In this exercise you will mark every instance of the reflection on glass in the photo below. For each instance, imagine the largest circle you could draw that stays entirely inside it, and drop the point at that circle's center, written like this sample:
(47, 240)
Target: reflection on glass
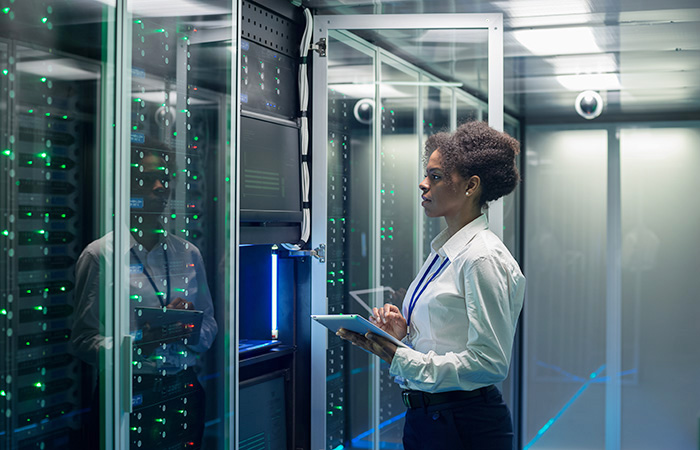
(49, 127)
(176, 253)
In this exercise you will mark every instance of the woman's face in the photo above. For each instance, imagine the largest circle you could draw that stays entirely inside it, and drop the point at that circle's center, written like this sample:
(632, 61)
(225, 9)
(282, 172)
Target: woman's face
(441, 198)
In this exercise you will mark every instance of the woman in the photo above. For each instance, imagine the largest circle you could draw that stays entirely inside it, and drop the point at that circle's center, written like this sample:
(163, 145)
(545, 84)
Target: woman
(460, 313)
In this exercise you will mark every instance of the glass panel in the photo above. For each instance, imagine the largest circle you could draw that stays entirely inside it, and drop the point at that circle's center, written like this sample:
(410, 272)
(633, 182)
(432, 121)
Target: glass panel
(565, 263)
(659, 287)
(351, 103)
(399, 160)
(51, 126)
(178, 245)
(467, 110)
(437, 107)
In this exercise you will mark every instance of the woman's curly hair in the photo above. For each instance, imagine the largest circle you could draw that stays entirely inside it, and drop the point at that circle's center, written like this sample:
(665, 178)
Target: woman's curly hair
(477, 149)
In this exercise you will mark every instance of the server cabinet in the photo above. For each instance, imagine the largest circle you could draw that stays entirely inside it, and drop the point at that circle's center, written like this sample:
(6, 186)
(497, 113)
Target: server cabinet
(367, 162)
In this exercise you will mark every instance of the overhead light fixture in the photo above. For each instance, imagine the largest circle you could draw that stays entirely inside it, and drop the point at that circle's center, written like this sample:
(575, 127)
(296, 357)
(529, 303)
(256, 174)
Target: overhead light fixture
(589, 104)
(558, 41)
(590, 81)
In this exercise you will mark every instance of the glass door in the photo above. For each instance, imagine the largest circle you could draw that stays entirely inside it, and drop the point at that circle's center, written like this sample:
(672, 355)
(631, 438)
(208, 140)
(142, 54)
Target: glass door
(368, 163)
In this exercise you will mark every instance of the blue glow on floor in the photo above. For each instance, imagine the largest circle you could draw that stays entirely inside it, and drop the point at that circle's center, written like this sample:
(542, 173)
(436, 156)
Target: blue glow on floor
(357, 441)
(551, 421)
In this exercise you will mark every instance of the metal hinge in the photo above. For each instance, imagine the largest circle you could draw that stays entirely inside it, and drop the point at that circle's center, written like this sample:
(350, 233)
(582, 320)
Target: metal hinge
(319, 47)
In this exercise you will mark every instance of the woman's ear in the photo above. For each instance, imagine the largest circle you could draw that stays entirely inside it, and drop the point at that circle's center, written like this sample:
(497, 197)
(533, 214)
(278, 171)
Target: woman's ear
(473, 185)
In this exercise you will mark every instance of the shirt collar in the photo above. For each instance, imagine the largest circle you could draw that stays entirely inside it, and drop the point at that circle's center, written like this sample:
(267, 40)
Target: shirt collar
(450, 246)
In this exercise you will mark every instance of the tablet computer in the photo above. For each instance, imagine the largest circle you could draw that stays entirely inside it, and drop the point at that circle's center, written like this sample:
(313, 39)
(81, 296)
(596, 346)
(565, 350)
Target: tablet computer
(353, 322)
(154, 324)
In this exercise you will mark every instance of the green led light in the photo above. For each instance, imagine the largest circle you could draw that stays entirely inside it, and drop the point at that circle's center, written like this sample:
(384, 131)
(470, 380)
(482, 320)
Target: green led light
(5, 232)
(382, 191)
(44, 19)
(135, 127)
(41, 231)
(30, 111)
(138, 100)
(179, 290)
(3, 394)
(29, 214)
(134, 428)
(134, 297)
(48, 114)
(63, 166)
(160, 420)
(137, 21)
(134, 165)
(159, 231)
(65, 117)
(134, 230)
(181, 411)
(338, 407)
(42, 155)
(43, 79)
(196, 138)
(391, 192)
(3, 312)
(382, 236)
(7, 152)
(38, 384)
(195, 217)
(159, 30)
(30, 162)
(38, 308)
(160, 293)
(382, 228)
(174, 133)
(227, 179)
(63, 216)
(134, 363)
(5, 72)
(173, 216)
(6, 10)
(194, 177)
(183, 110)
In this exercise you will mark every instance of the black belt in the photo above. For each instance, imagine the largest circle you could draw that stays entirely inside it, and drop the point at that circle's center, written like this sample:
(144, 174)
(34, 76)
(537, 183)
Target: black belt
(420, 399)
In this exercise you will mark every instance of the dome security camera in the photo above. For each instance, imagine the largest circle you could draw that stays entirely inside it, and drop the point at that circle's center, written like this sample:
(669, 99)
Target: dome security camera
(364, 110)
(589, 104)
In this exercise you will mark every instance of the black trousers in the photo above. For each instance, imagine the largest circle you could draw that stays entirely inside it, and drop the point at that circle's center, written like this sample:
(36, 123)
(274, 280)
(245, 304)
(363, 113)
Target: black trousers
(479, 423)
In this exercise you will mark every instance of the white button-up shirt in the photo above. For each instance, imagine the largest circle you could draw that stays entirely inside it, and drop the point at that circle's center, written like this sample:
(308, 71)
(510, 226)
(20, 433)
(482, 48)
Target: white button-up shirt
(463, 323)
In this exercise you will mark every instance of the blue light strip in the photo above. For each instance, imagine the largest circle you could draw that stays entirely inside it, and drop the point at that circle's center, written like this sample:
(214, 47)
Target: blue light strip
(551, 421)
(274, 294)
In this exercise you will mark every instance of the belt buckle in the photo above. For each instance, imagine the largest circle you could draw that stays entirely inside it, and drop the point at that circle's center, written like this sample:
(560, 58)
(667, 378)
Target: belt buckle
(406, 397)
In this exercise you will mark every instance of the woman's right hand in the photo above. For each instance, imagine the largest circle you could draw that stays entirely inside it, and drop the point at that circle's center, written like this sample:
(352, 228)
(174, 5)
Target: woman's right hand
(389, 319)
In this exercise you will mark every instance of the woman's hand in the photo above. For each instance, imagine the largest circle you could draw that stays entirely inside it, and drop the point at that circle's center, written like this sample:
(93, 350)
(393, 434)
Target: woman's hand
(371, 342)
(389, 319)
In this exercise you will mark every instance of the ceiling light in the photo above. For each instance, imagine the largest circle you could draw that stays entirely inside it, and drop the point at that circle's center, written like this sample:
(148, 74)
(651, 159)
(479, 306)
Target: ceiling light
(558, 41)
(592, 81)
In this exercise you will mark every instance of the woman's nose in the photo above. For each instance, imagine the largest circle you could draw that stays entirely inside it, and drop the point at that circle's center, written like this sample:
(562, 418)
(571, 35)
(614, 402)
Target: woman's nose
(423, 185)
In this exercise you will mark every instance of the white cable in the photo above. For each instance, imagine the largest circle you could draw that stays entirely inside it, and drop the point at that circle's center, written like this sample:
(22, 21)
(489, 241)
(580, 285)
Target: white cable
(303, 105)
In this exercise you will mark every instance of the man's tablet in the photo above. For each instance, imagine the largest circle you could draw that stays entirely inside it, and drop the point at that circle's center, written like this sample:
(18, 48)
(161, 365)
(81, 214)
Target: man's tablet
(353, 322)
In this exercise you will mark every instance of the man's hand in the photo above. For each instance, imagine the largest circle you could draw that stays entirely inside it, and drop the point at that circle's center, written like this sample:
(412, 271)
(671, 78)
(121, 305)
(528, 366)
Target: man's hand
(371, 342)
(181, 303)
(389, 319)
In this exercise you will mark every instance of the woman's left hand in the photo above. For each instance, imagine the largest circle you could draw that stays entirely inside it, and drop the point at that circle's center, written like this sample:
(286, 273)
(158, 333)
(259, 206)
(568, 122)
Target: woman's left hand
(371, 342)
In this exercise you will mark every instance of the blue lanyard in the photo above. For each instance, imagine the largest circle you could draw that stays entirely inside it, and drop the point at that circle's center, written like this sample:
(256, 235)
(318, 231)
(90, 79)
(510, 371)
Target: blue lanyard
(159, 294)
(418, 291)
